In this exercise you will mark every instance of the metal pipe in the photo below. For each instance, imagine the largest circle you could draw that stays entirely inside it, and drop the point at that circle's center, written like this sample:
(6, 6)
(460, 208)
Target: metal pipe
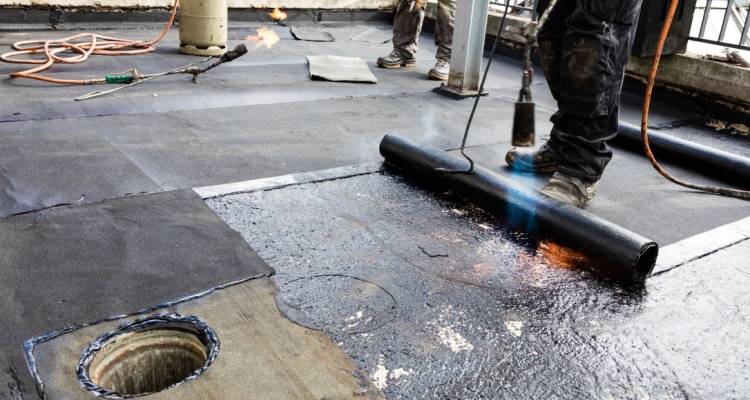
(719, 163)
(614, 252)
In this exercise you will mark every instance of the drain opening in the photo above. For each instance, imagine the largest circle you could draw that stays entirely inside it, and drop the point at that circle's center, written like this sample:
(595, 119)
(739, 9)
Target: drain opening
(147, 356)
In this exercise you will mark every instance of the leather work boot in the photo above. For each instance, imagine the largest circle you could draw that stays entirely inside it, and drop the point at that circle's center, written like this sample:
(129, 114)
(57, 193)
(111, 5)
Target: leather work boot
(396, 60)
(531, 160)
(440, 71)
(570, 190)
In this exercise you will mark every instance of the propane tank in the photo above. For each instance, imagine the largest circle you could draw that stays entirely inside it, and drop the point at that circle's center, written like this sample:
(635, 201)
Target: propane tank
(203, 27)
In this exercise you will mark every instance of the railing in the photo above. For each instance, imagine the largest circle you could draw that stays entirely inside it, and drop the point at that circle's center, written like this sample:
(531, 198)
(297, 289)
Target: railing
(725, 23)
(517, 7)
(720, 22)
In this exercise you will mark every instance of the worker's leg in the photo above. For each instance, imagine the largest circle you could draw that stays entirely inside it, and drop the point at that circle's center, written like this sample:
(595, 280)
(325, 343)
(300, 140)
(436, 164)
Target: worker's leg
(550, 39)
(407, 26)
(594, 51)
(446, 15)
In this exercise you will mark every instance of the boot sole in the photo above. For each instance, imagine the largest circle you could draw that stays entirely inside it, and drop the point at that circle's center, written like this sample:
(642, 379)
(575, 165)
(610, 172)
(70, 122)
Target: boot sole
(436, 77)
(397, 66)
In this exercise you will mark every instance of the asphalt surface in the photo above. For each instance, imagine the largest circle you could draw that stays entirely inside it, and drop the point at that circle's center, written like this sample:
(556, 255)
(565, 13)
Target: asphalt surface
(437, 299)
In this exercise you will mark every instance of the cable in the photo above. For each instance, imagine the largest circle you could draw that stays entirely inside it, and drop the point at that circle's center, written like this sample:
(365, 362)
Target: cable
(84, 44)
(729, 192)
(531, 36)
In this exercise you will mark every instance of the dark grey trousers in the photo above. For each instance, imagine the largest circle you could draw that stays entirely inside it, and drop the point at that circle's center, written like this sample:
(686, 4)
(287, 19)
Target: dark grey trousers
(407, 25)
(584, 47)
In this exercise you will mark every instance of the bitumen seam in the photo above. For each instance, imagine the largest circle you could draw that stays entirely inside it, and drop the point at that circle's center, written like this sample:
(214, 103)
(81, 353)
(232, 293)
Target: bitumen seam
(63, 205)
(698, 257)
(263, 184)
(702, 245)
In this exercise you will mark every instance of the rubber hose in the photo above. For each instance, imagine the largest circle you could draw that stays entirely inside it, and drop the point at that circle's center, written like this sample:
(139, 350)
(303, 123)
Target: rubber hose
(729, 192)
(95, 44)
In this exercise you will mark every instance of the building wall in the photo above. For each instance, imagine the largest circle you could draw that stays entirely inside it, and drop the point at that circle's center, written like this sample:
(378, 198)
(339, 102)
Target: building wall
(326, 4)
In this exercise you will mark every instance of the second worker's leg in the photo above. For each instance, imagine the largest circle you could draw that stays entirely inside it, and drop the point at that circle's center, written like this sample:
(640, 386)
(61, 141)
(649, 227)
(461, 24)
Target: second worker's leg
(407, 25)
(446, 15)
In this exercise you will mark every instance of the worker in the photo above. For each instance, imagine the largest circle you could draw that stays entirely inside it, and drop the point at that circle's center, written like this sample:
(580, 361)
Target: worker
(584, 47)
(407, 25)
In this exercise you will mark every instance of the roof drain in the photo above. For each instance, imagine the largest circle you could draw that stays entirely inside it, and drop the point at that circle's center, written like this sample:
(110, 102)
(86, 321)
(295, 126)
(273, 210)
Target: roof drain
(147, 356)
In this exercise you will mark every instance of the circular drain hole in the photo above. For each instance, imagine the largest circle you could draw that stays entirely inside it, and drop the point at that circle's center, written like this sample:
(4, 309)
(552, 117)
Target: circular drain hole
(147, 356)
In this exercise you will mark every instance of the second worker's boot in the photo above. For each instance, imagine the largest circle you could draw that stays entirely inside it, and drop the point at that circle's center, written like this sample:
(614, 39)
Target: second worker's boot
(440, 71)
(396, 60)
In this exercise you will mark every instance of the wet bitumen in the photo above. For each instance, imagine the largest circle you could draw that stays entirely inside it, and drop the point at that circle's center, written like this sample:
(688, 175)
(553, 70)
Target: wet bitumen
(480, 311)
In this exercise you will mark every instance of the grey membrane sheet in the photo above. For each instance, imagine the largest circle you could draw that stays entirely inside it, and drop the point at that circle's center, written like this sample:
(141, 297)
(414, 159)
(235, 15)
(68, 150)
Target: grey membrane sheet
(311, 34)
(340, 69)
(72, 265)
(375, 34)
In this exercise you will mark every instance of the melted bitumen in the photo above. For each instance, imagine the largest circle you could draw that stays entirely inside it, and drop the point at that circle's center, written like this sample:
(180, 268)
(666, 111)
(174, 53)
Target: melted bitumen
(480, 311)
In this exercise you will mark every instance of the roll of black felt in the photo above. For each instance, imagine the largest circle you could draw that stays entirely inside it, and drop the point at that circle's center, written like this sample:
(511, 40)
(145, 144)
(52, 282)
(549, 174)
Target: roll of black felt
(702, 159)
(612, 251)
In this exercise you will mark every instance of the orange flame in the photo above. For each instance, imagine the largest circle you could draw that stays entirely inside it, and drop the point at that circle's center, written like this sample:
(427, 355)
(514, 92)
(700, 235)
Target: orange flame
(278, 14)
(561, 256)
(264, 37)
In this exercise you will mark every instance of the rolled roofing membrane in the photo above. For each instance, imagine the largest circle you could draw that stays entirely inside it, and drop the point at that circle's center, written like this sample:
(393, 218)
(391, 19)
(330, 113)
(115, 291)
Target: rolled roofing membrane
(696, 156)
(612, 251)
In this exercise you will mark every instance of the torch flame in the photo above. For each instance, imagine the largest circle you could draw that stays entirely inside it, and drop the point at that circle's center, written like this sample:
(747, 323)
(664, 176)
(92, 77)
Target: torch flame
(561, 256)
(264, 37)
(278, 14)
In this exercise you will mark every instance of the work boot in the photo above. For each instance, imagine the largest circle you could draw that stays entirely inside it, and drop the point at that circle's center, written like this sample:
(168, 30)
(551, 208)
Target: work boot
(440, 71)
(570, 190)
(396, 60)
(531, 160)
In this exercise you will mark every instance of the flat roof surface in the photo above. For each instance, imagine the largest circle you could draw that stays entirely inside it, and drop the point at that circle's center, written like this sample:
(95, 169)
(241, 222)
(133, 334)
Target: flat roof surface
(69, 167)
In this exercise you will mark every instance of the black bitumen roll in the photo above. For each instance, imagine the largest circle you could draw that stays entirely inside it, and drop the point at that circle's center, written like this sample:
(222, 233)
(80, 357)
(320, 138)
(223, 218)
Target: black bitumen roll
(612, 251)
(702, 159)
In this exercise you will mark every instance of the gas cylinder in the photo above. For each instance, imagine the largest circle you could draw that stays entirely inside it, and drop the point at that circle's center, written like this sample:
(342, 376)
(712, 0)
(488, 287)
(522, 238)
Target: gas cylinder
(203, 27)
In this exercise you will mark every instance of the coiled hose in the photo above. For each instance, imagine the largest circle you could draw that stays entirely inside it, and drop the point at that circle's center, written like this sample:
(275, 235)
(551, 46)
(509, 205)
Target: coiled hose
(729, 192)
(83, 45)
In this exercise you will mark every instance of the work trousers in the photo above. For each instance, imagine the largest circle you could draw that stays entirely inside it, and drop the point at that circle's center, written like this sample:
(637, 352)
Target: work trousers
(407, 25)
(584, 47)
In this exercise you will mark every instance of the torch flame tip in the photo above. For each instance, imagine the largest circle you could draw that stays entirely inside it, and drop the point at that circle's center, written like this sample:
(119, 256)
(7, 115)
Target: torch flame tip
(278, 14)
(264, 37)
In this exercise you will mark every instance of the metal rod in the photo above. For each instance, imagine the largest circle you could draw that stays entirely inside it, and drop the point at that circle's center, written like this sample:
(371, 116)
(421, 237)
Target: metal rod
(725, 44)
(725, 21)
(477, 98)
(745, 28)
(704, 21)
(99, 93)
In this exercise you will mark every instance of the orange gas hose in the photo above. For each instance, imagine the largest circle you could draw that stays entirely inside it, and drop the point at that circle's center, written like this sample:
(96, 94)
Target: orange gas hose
(83, 45)
(736, 193)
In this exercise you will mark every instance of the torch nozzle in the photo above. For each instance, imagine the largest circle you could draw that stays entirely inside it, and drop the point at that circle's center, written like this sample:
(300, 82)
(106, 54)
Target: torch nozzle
(233, 54)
